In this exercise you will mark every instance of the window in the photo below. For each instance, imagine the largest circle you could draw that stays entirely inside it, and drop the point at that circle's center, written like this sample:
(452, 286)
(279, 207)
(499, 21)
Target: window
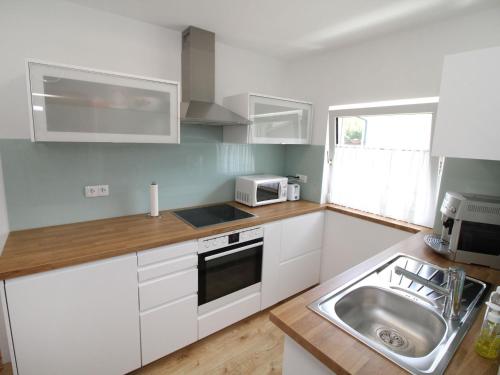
(381, 159)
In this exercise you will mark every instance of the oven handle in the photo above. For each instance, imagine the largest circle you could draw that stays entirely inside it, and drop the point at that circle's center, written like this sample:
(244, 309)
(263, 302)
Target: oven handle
(215, 256)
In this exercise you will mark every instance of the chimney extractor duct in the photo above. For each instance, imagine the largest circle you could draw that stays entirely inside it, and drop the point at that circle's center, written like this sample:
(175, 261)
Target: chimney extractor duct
(198, 82)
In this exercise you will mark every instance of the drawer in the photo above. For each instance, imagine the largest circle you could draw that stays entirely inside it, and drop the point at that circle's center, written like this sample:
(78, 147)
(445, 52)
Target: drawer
(298, 274)
(227, 315)
(161, 254)
(168, 288)
(301, 235)
(168, 328)
(170, 266)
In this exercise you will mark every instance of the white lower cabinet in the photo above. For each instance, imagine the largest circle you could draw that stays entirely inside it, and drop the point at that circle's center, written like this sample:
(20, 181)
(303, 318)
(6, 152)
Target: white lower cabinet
(168, 328)
(298, 361)
(77, 320)
(225, 316)
(168, 299)
(112, 316)
(292, 256)
(167, 288)
(270, 263)
(298, 274)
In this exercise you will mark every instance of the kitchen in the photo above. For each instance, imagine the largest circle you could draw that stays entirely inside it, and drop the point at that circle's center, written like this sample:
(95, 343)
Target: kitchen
(44, 181)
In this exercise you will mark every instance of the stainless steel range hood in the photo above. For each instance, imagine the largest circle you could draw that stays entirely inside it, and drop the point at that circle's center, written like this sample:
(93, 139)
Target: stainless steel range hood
(198, 82)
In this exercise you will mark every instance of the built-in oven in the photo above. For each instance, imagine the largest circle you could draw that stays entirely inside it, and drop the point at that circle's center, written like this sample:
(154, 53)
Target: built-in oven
(229, 265)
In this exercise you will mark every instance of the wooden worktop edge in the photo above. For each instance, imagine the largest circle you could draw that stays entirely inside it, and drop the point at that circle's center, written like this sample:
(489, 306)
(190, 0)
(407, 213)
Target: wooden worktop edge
(21, 257)
(13, 264)
(388, 222)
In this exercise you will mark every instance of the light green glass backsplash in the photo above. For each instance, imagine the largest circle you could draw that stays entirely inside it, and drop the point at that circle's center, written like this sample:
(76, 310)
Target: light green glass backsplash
(307, 160)
(44, 181)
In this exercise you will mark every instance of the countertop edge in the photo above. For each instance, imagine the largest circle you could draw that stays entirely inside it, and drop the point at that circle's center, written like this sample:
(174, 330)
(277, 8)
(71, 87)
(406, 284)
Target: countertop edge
(14, 263)
(35, 263)
(382, 220)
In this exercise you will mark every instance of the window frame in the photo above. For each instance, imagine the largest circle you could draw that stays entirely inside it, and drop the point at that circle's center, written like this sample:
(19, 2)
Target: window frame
(392, 107)
(389, 107)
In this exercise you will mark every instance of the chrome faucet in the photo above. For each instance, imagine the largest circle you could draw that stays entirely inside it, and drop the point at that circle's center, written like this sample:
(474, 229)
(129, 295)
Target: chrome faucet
(453, 292)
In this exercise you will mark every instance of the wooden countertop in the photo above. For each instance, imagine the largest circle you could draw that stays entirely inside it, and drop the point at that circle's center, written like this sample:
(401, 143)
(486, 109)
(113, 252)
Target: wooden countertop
(42, 249)
(342, 353)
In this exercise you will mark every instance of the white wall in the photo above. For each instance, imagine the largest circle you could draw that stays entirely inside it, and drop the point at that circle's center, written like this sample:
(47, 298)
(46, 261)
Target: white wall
(66, 33)
(401, 65)
(4, 232)
(348, 241)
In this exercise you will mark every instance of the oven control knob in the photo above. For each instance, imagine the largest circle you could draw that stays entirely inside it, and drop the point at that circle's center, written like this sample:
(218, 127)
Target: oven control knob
(206, 244)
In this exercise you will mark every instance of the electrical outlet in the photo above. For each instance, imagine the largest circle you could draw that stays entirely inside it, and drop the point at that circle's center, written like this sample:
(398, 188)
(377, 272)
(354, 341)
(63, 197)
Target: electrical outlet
(302, 178)
(103, 190)
(91, 191)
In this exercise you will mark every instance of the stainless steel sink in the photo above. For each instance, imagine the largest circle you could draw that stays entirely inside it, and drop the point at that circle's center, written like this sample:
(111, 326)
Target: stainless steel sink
(401, 319)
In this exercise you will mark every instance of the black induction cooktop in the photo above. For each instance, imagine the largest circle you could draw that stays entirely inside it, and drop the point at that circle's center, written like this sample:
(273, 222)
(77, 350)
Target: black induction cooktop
(211, 215)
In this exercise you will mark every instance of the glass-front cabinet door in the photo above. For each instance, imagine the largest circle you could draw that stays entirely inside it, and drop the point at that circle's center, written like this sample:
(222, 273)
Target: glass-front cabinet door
(276, 120)
(70, 104)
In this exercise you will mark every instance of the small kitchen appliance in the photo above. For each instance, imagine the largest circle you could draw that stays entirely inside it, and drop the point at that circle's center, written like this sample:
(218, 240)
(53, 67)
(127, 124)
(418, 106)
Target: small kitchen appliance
(470, 231)
(258, 190)
(293, 192)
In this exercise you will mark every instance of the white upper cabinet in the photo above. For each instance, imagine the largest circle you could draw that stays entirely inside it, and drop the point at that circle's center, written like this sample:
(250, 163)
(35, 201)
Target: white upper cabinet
(70, 104)
(467, 117)
(274, 120)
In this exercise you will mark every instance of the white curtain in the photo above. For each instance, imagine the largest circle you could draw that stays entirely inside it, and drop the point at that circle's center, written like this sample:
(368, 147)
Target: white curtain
(392, 183)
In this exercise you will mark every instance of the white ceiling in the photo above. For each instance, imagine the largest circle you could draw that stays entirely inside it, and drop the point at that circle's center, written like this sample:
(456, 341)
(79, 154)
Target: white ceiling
(290, 28)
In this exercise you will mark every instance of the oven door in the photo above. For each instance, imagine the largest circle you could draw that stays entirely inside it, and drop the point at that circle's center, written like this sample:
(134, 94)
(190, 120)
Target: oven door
(225, 271)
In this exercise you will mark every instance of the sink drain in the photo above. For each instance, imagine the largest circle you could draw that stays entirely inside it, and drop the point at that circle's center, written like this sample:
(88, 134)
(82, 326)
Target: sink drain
(391, 337)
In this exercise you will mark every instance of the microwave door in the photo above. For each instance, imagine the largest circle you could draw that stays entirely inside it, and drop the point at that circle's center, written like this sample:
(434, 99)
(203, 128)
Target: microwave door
(268, 191)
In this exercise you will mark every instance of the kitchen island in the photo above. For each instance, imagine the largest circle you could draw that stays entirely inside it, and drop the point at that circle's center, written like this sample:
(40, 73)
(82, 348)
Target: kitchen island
(330, 349)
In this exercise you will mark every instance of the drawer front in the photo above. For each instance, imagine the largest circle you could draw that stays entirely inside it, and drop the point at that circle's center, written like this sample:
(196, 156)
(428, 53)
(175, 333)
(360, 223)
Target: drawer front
(227, 315)
(161, 254)
(301, 235)
(298, 274)
(168, 328)
(156, 292)
(165, 268)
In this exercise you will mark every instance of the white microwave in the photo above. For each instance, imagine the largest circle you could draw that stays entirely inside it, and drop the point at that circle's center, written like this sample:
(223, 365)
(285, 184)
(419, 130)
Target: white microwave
(258, 190)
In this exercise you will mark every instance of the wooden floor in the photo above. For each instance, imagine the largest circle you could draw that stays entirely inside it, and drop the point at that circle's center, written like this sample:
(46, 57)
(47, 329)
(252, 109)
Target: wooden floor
(252, 346)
